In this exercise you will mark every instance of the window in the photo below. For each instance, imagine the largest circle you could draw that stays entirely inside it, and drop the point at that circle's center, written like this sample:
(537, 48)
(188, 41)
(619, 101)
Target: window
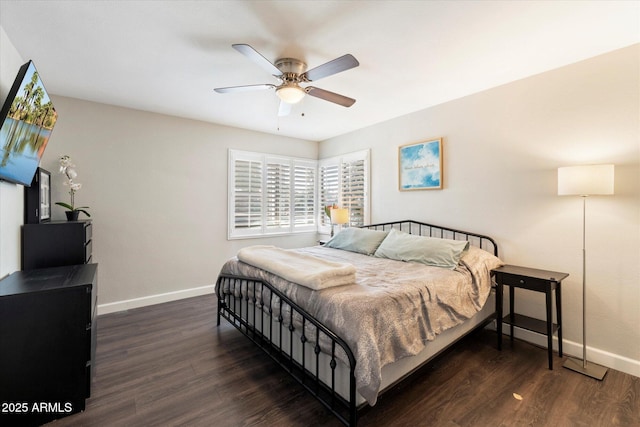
(344, 180)
(329, 190)
(270, 194)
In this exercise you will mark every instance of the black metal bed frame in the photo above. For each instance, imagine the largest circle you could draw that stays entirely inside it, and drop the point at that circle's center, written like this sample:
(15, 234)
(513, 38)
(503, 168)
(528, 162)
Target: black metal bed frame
(272, 321)
(430, 230)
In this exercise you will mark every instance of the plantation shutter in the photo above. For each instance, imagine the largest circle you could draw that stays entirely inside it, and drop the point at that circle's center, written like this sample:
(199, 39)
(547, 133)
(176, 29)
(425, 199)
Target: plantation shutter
(343, 180)
(278, 195)
(354, 190)
(329, 189)
(304, 195)
(270, 194)
(248, 194)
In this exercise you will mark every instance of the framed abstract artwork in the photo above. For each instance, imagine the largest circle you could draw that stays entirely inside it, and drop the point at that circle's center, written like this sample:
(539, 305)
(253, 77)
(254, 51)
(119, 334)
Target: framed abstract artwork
(420, 165)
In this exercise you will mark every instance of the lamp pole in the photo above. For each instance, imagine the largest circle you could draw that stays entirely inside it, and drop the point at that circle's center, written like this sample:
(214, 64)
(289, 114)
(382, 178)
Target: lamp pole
(594, 371)
(583, 181)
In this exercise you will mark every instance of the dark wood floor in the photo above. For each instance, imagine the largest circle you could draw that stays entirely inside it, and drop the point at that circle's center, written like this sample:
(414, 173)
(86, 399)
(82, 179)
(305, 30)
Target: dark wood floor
(169, 365)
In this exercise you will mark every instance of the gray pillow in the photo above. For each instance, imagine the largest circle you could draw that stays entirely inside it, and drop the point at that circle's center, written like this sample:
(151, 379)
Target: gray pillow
(360, 240)
(402, 246)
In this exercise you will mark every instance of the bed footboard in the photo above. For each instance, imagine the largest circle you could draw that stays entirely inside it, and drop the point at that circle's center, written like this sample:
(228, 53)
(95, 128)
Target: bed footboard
(293, 338)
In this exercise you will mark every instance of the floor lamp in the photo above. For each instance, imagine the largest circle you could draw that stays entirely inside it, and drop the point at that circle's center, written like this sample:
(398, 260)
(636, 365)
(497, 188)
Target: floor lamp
(591, 180)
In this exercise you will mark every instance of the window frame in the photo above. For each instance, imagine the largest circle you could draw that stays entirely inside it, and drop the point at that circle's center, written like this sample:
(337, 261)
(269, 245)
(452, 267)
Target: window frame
(266, 227)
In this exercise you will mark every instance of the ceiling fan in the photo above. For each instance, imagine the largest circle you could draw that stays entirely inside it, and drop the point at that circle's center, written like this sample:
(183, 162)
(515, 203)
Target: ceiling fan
(291, 73)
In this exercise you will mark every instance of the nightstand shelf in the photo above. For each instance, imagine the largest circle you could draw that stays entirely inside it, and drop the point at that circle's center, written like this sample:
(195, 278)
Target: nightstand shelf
(529, 323)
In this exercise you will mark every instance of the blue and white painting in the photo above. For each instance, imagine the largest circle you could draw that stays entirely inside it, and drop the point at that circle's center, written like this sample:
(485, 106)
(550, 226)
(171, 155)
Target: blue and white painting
(421, 165)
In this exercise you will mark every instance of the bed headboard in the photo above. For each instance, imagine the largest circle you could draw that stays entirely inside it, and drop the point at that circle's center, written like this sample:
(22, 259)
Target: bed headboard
(430, 230)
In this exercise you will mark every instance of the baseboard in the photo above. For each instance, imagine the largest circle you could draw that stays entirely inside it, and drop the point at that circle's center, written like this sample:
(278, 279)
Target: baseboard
(113, 307)
(570, 348)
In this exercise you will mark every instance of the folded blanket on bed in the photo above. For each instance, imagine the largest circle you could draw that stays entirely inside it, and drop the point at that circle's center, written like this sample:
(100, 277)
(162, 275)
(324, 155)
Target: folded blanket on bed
(306, 270)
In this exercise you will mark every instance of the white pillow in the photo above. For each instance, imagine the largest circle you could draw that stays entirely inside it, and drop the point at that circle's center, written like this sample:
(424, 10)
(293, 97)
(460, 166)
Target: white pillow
(402, 246)
(360, 240)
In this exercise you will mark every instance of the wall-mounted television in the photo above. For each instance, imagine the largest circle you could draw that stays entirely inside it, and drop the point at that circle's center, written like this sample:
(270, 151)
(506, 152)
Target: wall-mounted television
(27, 119)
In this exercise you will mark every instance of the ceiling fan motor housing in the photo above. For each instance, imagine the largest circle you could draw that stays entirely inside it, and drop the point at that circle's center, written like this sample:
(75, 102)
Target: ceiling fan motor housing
(291, 66)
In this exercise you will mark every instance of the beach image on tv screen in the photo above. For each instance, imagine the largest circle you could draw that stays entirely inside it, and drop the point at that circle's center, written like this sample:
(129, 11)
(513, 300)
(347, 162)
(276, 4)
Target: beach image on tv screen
(25, 132)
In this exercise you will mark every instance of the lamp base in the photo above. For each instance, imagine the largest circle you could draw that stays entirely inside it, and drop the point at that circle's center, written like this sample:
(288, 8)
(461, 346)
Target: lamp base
(594, 371)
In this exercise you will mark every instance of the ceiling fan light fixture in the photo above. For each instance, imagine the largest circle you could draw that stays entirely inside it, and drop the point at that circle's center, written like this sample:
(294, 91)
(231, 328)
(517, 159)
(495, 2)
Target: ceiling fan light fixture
(290, 93)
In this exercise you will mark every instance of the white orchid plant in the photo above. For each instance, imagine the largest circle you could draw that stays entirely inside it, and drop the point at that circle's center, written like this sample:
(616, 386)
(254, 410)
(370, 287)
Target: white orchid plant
(68, 169)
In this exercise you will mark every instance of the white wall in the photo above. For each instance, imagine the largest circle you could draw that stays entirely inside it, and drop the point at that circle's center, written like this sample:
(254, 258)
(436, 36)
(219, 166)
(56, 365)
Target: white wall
(157, 189)
(11, 195)
(502, 148)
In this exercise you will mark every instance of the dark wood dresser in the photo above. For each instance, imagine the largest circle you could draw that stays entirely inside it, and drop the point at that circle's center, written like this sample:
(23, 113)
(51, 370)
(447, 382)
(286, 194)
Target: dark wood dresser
(56, 243)
(48, 343)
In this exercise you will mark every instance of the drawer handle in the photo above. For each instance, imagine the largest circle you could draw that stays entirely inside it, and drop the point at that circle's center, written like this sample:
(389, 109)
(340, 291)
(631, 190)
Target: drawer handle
(521, 281)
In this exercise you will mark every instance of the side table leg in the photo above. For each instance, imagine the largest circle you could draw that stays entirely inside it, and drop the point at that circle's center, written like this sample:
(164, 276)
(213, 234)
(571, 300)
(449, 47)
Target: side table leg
(499, 293)
(549, 329)
(512, 293)
(559, 317)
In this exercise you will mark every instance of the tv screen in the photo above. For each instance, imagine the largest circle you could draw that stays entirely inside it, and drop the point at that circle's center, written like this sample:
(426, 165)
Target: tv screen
(27, 118)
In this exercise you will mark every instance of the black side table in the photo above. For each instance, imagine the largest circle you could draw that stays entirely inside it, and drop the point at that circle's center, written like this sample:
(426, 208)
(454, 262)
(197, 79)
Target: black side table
(534, 280)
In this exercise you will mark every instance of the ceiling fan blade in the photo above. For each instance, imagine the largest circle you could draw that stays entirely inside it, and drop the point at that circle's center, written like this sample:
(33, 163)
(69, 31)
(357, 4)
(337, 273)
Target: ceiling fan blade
(345, 62)
(248, 88)
(330, 96)
(284, 109)
(256, 57)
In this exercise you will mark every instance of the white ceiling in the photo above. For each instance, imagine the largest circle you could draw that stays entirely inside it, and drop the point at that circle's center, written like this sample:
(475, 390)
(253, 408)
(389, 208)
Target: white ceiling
(167, 56)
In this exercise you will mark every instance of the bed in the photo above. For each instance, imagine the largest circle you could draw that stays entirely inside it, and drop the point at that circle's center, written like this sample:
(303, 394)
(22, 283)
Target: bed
(350, 319)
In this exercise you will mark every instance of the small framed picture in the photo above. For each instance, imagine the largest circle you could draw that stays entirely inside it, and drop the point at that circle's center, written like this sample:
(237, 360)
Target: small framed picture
(45, 195)
(37, 198)
(420, 165)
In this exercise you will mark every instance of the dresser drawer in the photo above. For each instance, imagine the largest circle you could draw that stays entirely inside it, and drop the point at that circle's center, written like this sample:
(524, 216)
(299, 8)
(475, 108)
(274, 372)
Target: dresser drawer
(88, 231)
(56, 243)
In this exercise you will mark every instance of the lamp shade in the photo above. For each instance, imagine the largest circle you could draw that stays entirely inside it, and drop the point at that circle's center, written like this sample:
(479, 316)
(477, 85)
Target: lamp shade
(290, 93)
(588, 180)
(339, 216)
